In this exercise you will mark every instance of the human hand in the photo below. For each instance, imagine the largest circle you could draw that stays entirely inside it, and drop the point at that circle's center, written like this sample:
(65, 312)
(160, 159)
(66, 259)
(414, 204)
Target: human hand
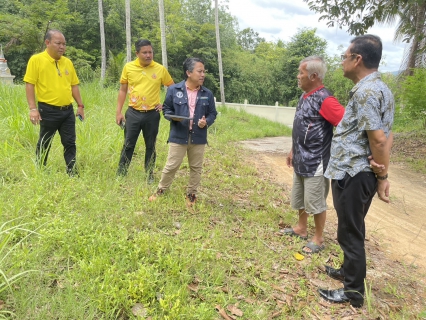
(377, 168)
(119, 119)
(80, 112)
(202, 122)
(383, 190)
(35, 117)
(159, 107)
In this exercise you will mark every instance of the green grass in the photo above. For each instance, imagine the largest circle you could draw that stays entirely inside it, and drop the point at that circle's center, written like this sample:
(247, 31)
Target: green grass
(102, 248)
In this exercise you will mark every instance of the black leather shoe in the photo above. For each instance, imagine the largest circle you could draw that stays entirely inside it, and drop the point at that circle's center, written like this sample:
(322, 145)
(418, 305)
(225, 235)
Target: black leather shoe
(336, 274)
(339, 296)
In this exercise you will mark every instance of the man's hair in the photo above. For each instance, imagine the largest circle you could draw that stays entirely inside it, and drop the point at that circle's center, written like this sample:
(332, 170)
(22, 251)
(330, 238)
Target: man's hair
(50, 33)
(142, 43)
(189, 65)
(370, 48)
(315, 64)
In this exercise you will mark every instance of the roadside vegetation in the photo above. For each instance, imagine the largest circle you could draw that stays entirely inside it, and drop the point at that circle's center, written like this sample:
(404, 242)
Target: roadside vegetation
(94, 247)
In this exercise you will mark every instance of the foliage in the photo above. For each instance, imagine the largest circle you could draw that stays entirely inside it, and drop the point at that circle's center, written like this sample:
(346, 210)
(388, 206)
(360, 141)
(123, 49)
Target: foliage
(413, 98)
(360, 15)
(357, 15)
(249, 39)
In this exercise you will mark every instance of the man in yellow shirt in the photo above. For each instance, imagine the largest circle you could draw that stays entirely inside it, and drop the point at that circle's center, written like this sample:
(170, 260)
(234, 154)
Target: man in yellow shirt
(52, 78)
(142, 80)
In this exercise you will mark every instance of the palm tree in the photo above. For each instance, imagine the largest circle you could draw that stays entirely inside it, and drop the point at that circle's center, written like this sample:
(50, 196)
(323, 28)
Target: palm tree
(411, 28)
(102, 32)
(219, 54)
(163, 33)
(128, 34)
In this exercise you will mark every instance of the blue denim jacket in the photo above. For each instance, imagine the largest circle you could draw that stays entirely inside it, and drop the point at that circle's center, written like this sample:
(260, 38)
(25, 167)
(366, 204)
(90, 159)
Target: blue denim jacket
(176, 103)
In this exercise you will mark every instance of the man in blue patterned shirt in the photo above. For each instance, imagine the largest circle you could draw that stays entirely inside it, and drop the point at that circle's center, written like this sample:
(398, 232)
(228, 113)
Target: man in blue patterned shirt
(364, 130)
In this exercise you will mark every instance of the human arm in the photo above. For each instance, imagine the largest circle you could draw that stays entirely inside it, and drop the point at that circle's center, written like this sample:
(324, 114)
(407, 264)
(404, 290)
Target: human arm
(122, 93)
(380, 147)
(159, 106)
(168, 108)
(77, 97)
(30, 93)
(332, 111)
(376, 167)
(211, 112)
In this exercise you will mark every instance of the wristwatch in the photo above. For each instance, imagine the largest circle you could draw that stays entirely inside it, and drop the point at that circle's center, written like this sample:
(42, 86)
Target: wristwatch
(382, 177)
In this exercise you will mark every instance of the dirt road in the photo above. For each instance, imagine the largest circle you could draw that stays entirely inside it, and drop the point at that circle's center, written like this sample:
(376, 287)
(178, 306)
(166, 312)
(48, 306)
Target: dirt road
(398, 227)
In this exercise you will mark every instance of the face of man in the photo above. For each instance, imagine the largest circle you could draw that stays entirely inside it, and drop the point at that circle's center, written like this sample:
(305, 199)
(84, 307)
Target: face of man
(145, 55)
(303, 80)
(56, 45)
(196, 77)
(348, 62)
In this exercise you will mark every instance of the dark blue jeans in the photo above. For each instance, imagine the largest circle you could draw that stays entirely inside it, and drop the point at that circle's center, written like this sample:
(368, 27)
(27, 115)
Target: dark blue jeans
(352, 198)
(148, 123)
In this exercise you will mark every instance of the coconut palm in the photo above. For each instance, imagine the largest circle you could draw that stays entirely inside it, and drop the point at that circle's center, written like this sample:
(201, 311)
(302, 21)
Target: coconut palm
(163, 33)
(128, 34)
(219, 54)
(102, 32)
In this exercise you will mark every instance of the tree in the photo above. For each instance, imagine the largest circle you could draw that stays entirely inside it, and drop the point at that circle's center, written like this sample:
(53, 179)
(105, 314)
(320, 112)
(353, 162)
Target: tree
(303, 44)
(163, 33)
(128, 33)
(411, 28)
(359, 15)
(102, 33)
(219, 55)
(248, 39)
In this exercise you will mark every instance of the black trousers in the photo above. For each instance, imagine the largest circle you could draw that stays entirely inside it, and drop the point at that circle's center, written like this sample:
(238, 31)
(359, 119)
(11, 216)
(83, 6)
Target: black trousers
(61, 119)
(148, 123)
(352, 198)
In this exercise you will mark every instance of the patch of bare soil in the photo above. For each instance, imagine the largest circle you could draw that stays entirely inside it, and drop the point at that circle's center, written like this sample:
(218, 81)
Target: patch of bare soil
(396, 232)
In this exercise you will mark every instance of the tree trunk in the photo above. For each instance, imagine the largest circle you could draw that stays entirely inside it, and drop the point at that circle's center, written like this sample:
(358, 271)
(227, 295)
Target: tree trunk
(128, 33)
(219, 54)
(102, 32)
(163, 33)
(417, 46)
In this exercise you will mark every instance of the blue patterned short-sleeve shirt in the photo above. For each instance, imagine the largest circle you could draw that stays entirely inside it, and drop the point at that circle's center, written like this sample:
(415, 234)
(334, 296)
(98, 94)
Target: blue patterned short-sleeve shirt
(371, 107)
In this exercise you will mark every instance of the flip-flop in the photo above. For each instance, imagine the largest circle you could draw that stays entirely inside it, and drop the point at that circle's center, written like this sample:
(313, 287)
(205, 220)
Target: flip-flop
(313, 246)
(290, 232)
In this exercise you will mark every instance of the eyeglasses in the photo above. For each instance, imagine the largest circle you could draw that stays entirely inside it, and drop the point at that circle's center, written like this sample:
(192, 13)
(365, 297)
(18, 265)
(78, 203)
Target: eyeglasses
(344, 56)
(57, 68)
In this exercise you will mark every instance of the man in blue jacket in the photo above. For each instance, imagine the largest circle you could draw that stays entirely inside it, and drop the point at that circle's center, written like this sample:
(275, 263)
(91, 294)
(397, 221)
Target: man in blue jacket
(191, 109)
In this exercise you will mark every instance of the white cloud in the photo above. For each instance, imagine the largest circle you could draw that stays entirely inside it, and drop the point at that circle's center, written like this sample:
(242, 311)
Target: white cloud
(281, 19)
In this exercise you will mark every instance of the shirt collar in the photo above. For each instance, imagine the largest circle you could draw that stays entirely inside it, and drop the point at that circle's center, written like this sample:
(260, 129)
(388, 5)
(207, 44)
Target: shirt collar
(313, 91)
(371, 77)
(136, 62)
(49, 57)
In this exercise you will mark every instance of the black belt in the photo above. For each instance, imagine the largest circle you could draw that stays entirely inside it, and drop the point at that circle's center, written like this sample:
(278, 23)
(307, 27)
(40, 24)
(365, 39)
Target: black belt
(43, 104)
(143, 111)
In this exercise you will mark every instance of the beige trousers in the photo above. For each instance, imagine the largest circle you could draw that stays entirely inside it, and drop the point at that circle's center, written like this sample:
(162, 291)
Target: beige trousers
(195, 153)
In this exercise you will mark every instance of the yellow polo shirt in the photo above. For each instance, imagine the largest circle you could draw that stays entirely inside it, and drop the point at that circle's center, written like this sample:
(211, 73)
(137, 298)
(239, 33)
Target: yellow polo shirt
(144, 83)
(51, 86)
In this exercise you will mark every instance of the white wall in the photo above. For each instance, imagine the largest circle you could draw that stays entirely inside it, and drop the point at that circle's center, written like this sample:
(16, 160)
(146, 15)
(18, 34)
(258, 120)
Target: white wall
(284, 115)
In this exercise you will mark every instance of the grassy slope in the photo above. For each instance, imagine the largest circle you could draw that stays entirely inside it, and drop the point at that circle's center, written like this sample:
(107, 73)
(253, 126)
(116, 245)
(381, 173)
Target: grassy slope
(101, 247)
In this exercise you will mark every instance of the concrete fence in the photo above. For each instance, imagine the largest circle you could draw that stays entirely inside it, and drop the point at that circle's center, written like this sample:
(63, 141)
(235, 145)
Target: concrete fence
(284, 115)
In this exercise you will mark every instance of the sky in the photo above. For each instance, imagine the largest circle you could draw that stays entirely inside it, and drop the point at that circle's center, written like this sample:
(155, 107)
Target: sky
(281, 19)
